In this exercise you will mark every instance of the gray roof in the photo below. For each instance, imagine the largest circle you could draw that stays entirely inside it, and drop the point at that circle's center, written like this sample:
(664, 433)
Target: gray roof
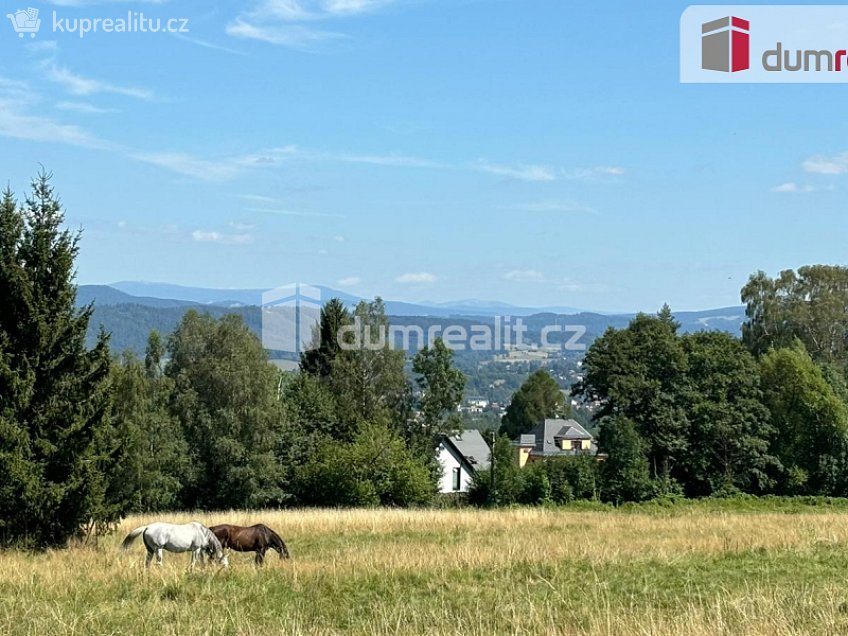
(543, 437)
(471, 446)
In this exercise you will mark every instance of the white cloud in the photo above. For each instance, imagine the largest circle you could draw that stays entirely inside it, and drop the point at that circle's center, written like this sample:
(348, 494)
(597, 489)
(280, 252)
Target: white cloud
(520, 172)
(293, 36)
(206, 44)
(41, 46)
(190, 166)
(215, 169)
(205, 236)
(552, 206)
(281, 21)
(16, 91)
(524, 276)
(794, 188)
(416, 278)
(398, 161)
(84, 108)
(258, 198)
(350, 281)
(571, 286)
(352, 7)
(295, 213)
(562, 284)
(821, 164)
(20, 125)
(786, 187)
(79, 85)
(241, 227)
(86, 3)
(595, 173)
(309, 10)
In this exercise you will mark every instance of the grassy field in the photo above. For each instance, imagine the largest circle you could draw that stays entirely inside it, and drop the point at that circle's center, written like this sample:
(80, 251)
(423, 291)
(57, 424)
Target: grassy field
(700, 569)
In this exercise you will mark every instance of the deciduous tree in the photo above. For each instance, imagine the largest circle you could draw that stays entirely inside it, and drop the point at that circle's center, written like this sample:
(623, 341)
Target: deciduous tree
(538, 398)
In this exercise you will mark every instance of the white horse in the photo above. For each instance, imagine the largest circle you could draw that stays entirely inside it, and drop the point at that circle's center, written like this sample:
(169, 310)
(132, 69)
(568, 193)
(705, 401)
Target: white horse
(194, 537)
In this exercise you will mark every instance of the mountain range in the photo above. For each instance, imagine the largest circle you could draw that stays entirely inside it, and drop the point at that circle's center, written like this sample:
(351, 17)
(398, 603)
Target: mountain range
(253, 297)
(129, 310)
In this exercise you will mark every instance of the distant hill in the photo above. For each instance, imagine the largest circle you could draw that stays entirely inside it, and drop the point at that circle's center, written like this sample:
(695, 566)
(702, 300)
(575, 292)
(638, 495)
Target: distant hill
(104, 295)
(130, 318)
(248, 297)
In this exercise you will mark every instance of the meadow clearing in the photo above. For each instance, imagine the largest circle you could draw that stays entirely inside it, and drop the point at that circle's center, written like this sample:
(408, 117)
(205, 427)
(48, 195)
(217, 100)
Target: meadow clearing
(699, 569)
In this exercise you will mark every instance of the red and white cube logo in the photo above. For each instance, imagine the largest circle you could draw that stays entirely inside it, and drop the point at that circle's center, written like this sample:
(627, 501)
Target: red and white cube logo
(725, 45)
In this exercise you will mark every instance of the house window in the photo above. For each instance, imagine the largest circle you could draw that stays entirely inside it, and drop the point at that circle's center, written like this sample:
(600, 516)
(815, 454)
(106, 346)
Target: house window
(456, 474)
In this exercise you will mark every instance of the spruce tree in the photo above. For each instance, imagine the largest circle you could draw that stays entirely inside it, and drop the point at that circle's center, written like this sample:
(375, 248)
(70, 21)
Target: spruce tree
(54, 391)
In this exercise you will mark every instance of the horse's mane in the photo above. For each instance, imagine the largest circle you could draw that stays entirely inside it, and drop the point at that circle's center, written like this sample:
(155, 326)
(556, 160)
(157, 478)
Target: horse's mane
(276, 540)
(209, 536)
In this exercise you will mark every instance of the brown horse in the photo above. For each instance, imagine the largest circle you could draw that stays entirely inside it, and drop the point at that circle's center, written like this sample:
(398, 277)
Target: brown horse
(256, 539)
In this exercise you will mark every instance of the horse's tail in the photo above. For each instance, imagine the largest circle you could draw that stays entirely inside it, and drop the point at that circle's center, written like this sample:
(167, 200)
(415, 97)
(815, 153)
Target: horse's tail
(277, 543)
(132, 536)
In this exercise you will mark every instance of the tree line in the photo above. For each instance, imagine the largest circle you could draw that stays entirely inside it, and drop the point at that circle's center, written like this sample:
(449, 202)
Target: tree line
(204, 421)
(705, 413)
(764, 414)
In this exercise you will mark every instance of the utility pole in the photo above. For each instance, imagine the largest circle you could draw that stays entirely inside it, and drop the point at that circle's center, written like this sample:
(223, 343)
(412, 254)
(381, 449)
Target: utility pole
(492, 472)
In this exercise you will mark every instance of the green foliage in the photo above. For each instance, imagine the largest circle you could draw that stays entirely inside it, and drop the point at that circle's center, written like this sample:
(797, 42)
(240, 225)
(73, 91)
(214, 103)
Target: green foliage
(536, 487)
(442, 387)
(809, 305)
(54, 392)
(729, 429)
(225, 397)
(309, 406)
(508, 482)
(557, 480)
(368, 378)
(571, 478)
(810, 423)
(152, 460)
(538, 398)
(640, 372)
(327, 339)
(624, 474)
(376, 468)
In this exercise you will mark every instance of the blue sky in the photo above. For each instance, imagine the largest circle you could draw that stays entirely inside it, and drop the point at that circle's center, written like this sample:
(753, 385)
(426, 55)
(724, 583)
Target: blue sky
(538, 152)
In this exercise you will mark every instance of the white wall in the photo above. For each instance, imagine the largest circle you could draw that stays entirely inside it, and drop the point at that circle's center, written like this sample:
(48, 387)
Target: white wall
(449, 462)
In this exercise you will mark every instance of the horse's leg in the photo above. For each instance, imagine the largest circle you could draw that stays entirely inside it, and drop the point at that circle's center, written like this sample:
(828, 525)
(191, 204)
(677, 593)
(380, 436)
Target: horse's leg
(260, 556)
(148, 559)
(159, 557)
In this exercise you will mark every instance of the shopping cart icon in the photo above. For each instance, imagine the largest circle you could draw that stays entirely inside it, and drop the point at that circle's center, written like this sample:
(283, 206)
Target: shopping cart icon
(25, 21)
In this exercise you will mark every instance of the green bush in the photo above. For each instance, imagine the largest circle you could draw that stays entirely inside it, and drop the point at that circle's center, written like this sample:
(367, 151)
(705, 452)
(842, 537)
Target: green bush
(376, 468)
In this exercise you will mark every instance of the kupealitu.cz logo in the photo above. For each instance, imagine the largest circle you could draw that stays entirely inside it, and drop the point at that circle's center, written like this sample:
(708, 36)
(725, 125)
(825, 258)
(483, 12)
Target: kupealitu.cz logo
(27, 22)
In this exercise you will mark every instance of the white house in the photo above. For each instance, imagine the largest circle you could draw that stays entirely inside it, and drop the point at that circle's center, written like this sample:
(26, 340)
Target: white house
(461, 455)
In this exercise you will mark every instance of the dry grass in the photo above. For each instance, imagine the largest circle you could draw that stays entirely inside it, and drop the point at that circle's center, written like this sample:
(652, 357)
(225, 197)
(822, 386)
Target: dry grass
(447, 572)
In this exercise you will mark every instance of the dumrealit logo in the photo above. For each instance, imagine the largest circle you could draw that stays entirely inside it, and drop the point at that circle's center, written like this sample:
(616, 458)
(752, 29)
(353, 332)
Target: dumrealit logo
(725, 45)
(770, 44)
(778, 59)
